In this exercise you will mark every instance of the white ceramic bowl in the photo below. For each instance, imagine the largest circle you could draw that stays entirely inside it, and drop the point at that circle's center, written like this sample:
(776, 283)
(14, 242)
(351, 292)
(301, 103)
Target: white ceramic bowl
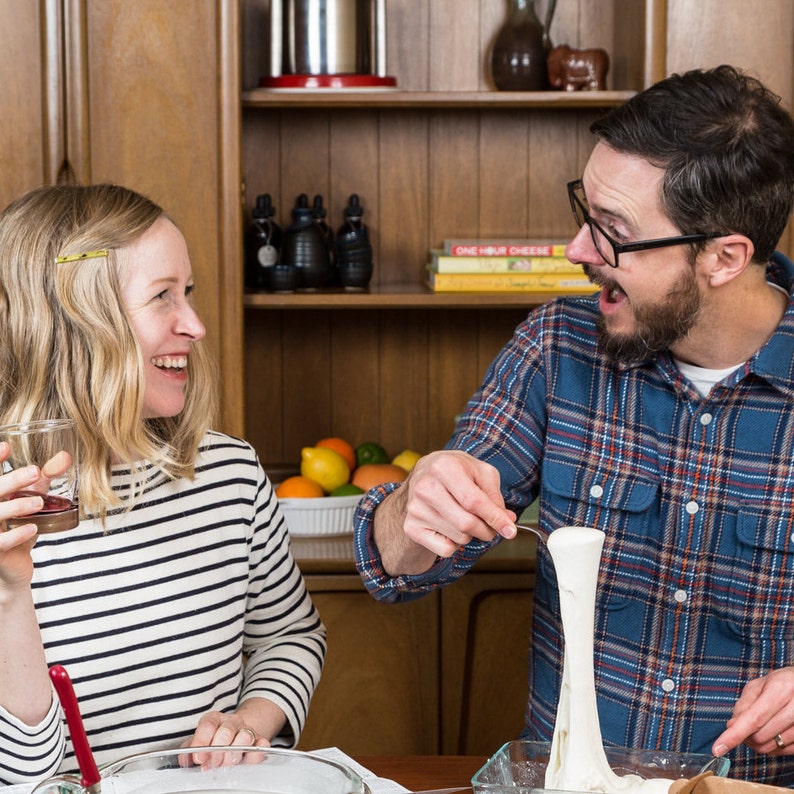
(324, 516)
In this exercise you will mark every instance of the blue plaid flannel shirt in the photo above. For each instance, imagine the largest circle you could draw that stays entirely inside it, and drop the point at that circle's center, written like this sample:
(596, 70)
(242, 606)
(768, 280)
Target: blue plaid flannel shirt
(695, 496)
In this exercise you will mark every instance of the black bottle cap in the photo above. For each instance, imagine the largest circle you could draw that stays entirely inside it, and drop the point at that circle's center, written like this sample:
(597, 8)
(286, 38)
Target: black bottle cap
(302, 212)
(354, 208)
(318, 208)
(263, 208)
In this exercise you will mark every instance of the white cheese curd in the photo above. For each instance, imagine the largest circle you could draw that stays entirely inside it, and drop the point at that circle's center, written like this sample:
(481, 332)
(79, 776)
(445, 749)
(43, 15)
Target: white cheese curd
(578, 761)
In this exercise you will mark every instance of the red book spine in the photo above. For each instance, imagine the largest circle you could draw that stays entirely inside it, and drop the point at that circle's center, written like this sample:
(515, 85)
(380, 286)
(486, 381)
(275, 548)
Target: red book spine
(508, 249)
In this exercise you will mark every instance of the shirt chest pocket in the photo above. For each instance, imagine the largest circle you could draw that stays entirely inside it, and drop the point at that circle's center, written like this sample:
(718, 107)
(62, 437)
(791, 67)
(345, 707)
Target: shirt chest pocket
(586, 495)
(574, 493)
(754, 599)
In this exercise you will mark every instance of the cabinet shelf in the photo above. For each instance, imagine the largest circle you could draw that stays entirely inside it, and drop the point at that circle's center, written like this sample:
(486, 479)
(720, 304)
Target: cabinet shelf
(393, 296)
(441, 155)
(394, 98)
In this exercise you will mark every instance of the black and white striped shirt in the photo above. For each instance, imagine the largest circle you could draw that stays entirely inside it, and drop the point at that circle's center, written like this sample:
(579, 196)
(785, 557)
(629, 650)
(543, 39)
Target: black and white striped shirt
(153, 616)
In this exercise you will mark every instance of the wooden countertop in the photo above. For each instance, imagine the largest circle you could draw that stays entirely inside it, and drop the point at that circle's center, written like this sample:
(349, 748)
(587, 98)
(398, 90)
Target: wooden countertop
(420, 772)
(335, 555)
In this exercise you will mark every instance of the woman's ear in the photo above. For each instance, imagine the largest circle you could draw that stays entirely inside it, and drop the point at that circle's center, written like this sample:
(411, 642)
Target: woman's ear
(727, 257)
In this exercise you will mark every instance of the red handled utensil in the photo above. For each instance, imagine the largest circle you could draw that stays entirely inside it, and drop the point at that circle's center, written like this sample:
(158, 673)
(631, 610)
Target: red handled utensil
(82, 750)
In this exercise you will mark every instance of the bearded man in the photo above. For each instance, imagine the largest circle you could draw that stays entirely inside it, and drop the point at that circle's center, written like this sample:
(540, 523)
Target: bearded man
(661, 411)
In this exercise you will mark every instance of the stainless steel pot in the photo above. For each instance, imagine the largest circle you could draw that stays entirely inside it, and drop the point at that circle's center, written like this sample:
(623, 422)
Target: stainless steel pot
(327, 37)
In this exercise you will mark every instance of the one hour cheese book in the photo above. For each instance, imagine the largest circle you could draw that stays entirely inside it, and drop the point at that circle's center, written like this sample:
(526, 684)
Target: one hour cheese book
(497, 247)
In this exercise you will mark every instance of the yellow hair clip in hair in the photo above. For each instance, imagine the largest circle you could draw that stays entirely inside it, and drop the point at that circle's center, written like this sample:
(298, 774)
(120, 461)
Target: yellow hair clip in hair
(79, 257)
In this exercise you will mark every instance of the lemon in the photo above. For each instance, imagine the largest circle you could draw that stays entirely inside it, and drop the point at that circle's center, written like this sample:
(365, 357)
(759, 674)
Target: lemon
(406, 459)
(370, 452)
(325, 466)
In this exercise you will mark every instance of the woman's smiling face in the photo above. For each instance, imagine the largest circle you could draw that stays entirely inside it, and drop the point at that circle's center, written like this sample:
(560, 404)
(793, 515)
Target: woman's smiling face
(156, 287)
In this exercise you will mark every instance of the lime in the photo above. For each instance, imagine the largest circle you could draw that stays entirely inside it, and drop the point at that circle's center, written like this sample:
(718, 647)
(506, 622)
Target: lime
(325, 466)
(370, 452)
(407, 459)
(348, 489)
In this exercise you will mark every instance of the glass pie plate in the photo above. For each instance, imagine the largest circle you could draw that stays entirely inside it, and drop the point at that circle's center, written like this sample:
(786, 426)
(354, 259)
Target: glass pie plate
(258, 771)
(519, 767)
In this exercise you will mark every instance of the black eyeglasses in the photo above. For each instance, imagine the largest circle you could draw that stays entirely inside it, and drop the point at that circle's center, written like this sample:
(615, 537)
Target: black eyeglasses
(609, 249)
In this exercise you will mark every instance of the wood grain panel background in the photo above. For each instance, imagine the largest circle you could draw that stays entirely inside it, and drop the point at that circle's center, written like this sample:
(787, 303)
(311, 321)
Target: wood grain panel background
(24, 133)
(425, 174)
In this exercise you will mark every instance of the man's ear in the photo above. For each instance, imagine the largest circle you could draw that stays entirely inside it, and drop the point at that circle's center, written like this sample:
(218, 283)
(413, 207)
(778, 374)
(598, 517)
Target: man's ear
(727, 257)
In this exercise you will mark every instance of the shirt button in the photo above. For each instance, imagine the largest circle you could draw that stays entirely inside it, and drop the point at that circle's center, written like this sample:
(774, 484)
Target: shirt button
(705, 419)
(680, 596)
(596, 492)
(692, 507)
(668, 685)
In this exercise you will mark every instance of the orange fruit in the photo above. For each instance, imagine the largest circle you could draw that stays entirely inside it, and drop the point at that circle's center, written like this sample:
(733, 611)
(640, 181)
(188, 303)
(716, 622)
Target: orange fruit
(298, 487)
(340, 446)
(371, 474)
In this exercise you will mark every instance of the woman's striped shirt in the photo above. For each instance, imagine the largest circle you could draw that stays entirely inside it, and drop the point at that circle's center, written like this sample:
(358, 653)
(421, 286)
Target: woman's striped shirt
(154, 615)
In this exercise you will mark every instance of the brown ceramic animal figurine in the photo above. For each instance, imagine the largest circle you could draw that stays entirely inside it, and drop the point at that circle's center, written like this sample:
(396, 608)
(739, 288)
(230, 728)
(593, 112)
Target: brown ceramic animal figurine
(578, 70)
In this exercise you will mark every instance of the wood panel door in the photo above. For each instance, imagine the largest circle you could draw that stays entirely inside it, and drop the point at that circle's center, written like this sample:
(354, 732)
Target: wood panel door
(379, 690)
(144, 94)
(154, 98)
(24, 58)
(485, 641)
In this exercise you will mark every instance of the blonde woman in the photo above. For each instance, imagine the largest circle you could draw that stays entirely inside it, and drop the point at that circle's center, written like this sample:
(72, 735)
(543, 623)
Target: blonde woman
(175, 605)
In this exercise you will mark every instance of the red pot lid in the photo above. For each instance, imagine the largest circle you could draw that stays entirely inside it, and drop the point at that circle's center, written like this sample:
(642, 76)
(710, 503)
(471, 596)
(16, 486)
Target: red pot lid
(328, 81)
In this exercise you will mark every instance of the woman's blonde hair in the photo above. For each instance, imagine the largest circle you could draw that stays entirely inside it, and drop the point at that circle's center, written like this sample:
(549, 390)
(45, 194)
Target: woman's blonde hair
(66, 345)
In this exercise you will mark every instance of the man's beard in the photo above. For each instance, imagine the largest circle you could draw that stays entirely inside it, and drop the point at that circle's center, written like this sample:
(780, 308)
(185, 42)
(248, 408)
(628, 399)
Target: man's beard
(658, 325)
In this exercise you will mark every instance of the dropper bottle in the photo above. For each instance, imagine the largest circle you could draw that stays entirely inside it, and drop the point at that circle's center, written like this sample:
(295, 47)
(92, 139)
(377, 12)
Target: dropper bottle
(304, 246)
(353, 248)
(262, 243)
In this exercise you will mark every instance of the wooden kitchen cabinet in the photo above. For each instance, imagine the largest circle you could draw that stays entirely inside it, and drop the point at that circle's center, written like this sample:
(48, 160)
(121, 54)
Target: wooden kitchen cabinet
(444, 673)
(485, 630)
(442, 156)
(380, 691)
(161, 95)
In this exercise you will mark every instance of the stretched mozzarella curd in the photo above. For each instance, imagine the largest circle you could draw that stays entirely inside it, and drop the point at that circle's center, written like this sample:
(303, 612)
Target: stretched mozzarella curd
(578, 761)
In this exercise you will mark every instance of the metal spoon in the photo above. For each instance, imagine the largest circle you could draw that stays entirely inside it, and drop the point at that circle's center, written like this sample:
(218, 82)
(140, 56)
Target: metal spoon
(539, 533)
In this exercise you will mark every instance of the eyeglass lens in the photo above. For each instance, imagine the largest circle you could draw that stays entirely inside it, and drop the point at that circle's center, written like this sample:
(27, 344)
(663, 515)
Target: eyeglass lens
(601, 242)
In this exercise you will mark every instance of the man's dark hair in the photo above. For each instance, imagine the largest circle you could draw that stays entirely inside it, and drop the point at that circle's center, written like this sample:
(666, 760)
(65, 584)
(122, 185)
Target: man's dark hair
(727, 148)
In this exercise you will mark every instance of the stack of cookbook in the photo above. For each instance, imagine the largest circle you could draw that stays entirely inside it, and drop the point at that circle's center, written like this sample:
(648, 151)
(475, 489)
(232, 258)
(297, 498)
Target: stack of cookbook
(524, 265)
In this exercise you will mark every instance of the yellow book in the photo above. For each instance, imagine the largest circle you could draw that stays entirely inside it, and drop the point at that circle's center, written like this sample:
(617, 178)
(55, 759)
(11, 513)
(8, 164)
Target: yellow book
(510, 282)
(447, 263)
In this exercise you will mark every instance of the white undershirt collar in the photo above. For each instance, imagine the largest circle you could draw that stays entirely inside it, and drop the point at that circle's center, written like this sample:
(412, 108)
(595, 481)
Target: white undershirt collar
(704, 379)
